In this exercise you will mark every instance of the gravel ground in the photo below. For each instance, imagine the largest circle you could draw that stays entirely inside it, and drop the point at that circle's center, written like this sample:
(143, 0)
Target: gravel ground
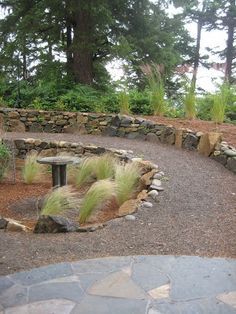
(196, 214)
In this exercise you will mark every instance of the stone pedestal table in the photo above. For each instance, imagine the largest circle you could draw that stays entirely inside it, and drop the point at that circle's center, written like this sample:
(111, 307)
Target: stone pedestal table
(58, 164)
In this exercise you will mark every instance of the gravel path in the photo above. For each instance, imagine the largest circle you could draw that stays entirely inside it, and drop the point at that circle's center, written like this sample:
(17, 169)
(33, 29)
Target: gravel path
(196, 214)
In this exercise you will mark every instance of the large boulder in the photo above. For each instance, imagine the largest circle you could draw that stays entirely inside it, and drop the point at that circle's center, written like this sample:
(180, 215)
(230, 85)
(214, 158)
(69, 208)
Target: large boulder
(54, 224)
(208, 142)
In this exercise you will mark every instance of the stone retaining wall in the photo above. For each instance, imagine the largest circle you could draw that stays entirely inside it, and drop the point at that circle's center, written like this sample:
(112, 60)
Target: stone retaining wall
(208, 144)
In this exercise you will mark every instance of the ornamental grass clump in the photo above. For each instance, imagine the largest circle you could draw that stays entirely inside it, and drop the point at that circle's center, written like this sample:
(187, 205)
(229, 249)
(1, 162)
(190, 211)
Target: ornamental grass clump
(98, 194)
(126, 180)
(59, 201)
(154, 75)
(32, 170)
(220, 100)
(85, 172)
(4, 159)
(124, 103)
(104, 166)
(190, 103)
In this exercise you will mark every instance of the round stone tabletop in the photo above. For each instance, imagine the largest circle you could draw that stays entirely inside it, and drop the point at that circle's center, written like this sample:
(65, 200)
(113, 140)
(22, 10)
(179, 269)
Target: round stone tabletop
(57, 160)
(127, 285)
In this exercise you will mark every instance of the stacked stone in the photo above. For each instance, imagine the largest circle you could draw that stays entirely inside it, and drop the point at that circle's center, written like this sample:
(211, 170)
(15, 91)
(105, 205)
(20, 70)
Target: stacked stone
(116, 125)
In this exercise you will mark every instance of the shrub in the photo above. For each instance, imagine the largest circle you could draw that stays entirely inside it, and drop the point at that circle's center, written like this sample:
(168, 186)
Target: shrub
(32, 169)
(99, 193)
(124, 103)
(60, 200)
(189, 103)
(4, 159)
(104, 166)
(126, 179)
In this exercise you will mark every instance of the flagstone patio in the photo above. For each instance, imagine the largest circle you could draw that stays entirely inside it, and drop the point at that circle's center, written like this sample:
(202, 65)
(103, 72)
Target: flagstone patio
(135, 284)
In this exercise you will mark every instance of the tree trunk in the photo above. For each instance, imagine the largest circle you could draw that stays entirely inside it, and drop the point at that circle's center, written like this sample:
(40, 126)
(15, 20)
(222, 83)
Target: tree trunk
(69, 56)
(230, 42)
(197, 53)
(82, 44)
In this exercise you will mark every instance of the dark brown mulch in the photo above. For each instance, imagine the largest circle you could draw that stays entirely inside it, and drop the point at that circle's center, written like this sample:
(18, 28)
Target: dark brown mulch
(196, 215)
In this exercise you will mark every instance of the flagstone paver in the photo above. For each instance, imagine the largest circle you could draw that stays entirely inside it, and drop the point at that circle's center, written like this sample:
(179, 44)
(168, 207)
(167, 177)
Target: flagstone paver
(127, 285)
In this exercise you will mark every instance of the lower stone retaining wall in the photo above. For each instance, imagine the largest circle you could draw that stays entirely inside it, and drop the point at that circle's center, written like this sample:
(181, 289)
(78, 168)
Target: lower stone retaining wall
(208, 144)
(52, 148)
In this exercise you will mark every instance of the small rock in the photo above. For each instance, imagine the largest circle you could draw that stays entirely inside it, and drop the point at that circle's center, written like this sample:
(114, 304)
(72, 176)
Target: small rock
(91, 228)
(146, 179)
(156, 182)
(230, 152)
(3, 223)
(156, 187)
(142, 195)
(130, 217)
(157, 175)
(153, 194)
(15, 226)
(147, 204)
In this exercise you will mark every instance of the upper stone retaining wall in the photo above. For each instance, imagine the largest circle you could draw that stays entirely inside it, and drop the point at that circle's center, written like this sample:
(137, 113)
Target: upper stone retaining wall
(208, 144)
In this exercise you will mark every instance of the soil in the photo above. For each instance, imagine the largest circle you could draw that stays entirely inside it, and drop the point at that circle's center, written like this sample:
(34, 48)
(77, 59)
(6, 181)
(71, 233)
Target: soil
(195, 215)
(228, 130)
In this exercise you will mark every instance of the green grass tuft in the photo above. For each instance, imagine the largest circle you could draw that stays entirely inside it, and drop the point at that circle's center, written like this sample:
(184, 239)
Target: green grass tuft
(124, 103)
(220, 100)
(4, 159)
(104, 166)
(126, 179)
(190, 103)
(85, 171)
(32, 169)
(99, 193)
(59, 200)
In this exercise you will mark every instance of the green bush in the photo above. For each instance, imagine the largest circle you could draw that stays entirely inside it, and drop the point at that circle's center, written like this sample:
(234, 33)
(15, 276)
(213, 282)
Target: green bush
(140, 102)
(4, 159)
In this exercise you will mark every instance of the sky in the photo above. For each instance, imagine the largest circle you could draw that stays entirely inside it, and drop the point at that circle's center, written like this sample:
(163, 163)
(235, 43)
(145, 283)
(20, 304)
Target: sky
(206, 79)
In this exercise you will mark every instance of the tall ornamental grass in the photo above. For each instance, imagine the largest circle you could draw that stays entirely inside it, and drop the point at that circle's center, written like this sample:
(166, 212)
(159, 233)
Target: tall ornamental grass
(60, 200)
(85, 171)
(98, 194)
(190, 103)
(32, 170)
(124, 103)
(4, 159)
(126, 180)
(104, 166)
(220, 100)
(153, 74)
